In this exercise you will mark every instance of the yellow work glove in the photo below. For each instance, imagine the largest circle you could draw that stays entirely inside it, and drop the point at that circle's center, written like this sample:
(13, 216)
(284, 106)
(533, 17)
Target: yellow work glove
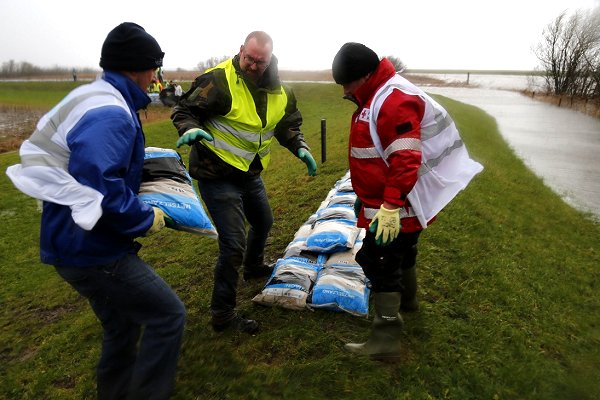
(158, 223)
(386, 225)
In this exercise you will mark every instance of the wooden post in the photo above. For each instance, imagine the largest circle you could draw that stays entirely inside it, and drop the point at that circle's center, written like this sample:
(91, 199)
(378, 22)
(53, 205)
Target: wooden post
(323, 140)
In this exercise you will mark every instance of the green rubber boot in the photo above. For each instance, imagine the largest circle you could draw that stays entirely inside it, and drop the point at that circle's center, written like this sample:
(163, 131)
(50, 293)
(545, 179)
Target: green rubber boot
(409, 302)
(384, 340)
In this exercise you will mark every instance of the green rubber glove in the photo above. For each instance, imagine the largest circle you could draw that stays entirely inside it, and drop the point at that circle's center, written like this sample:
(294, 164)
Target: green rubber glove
(169, 222)
(357, 206)
(385, 225)
(193, 135)
(158, 223)
(308, 159)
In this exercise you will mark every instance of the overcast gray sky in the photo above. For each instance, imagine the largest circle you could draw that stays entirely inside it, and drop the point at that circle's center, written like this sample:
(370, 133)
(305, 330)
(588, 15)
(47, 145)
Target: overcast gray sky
(429, 34)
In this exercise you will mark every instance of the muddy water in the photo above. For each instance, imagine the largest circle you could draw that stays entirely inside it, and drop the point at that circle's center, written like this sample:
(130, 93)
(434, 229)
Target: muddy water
(559, 145)
(17, 122)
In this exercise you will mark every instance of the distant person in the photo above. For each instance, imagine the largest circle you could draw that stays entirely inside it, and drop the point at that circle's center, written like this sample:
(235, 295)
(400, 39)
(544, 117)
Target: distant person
(393, 120)
(178, 91)
(230, 116)
(154, 86)
(74, 75)
(85, 161)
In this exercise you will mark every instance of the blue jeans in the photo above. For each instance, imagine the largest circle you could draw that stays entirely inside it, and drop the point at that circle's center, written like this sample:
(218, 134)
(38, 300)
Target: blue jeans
(133, 304)
(231, 203)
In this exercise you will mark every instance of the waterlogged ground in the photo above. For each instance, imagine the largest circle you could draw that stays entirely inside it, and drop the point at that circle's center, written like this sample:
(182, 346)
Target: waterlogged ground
(16, 124)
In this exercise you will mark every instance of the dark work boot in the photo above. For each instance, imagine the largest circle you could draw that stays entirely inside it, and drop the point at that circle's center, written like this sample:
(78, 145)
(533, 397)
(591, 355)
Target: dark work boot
(409, 302)
(260, 271)
(237, 323)
(384, 340)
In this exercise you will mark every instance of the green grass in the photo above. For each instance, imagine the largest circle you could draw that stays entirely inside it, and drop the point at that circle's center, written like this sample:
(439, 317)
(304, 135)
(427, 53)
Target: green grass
(508, 282)
(35, 94)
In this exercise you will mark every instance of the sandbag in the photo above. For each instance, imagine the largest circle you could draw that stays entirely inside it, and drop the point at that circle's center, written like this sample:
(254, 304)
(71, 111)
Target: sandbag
(290, 284)
(332, 235)
(166, 184)
(341, 288)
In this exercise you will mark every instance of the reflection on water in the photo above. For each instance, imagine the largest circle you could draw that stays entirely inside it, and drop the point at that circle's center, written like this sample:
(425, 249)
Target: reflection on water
(485, 81)
(559, 145)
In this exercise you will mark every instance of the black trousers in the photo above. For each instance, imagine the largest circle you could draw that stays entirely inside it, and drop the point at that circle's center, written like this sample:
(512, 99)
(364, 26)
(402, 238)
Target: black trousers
(383, 265)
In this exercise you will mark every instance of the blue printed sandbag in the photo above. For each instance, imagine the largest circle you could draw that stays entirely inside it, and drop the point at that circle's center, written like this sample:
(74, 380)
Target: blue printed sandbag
(332, 235)
(167, 185)
(290, 284)
(341, 288)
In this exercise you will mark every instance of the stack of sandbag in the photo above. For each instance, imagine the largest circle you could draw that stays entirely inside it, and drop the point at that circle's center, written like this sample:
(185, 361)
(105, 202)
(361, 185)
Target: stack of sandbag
(318, 269)
(166, 184)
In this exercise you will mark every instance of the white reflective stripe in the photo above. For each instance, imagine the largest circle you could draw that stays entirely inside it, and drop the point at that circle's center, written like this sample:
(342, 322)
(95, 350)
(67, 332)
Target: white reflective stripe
(370, 212)
(268, 135)
(364, 152)
(441, 122)
(434, 162)
(263, 153)
(43, 160)
(244, 135)
(402, 144)
(397, 145)
(221, 144)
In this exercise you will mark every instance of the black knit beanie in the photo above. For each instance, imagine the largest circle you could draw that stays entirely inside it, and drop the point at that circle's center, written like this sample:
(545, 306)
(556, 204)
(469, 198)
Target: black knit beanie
(352, 62)
(129, 47)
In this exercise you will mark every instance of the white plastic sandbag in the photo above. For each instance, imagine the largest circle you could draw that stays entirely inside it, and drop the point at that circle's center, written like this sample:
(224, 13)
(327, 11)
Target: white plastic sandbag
(341, 288)
(290, 284)
(167, 185)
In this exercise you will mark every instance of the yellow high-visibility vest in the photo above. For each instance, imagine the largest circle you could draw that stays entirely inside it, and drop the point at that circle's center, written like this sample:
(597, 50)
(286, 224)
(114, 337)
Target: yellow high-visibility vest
(239, 135)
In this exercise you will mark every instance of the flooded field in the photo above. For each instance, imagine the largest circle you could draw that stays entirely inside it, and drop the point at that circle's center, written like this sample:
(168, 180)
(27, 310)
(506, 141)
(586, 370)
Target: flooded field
(16, 124)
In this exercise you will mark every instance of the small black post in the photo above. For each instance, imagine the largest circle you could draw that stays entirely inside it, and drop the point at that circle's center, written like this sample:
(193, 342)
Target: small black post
(323, 140)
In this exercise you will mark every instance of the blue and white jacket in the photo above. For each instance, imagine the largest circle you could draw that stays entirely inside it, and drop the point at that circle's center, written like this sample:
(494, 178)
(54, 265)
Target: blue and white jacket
(85, 160)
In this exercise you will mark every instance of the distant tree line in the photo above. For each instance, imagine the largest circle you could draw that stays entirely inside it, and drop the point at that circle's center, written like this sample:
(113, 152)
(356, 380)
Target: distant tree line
(399, 66)
(214, 61)
(570, 54)
(12, 69)
(211, 62)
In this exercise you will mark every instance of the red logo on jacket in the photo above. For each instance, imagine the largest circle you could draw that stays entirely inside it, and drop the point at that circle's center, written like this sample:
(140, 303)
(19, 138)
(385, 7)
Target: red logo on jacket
(364, 115)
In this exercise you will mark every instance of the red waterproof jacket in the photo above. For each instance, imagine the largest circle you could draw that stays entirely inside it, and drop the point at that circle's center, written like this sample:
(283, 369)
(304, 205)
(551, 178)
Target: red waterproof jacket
(399, 130)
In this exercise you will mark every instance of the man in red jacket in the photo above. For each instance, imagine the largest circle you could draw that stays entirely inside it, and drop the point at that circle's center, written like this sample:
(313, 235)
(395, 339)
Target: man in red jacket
(392, 123)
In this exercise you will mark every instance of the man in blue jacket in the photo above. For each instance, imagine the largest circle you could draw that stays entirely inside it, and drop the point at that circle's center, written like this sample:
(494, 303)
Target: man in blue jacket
(85, 160)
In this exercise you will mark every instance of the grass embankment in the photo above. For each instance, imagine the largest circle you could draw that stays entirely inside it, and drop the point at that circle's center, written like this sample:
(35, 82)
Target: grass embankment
(508, 281)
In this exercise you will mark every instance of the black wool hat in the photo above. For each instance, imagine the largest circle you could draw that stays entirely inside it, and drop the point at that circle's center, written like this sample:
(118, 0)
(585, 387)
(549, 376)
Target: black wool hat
(128, 47)
(352, 62)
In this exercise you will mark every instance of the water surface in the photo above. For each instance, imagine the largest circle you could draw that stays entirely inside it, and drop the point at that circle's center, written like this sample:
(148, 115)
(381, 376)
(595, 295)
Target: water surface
(560, 145)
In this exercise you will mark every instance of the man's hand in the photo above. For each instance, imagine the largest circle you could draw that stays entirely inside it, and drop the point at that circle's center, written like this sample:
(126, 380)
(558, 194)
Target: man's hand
(308, 159)
(158, 223)
(193, 135)
(386, 224)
